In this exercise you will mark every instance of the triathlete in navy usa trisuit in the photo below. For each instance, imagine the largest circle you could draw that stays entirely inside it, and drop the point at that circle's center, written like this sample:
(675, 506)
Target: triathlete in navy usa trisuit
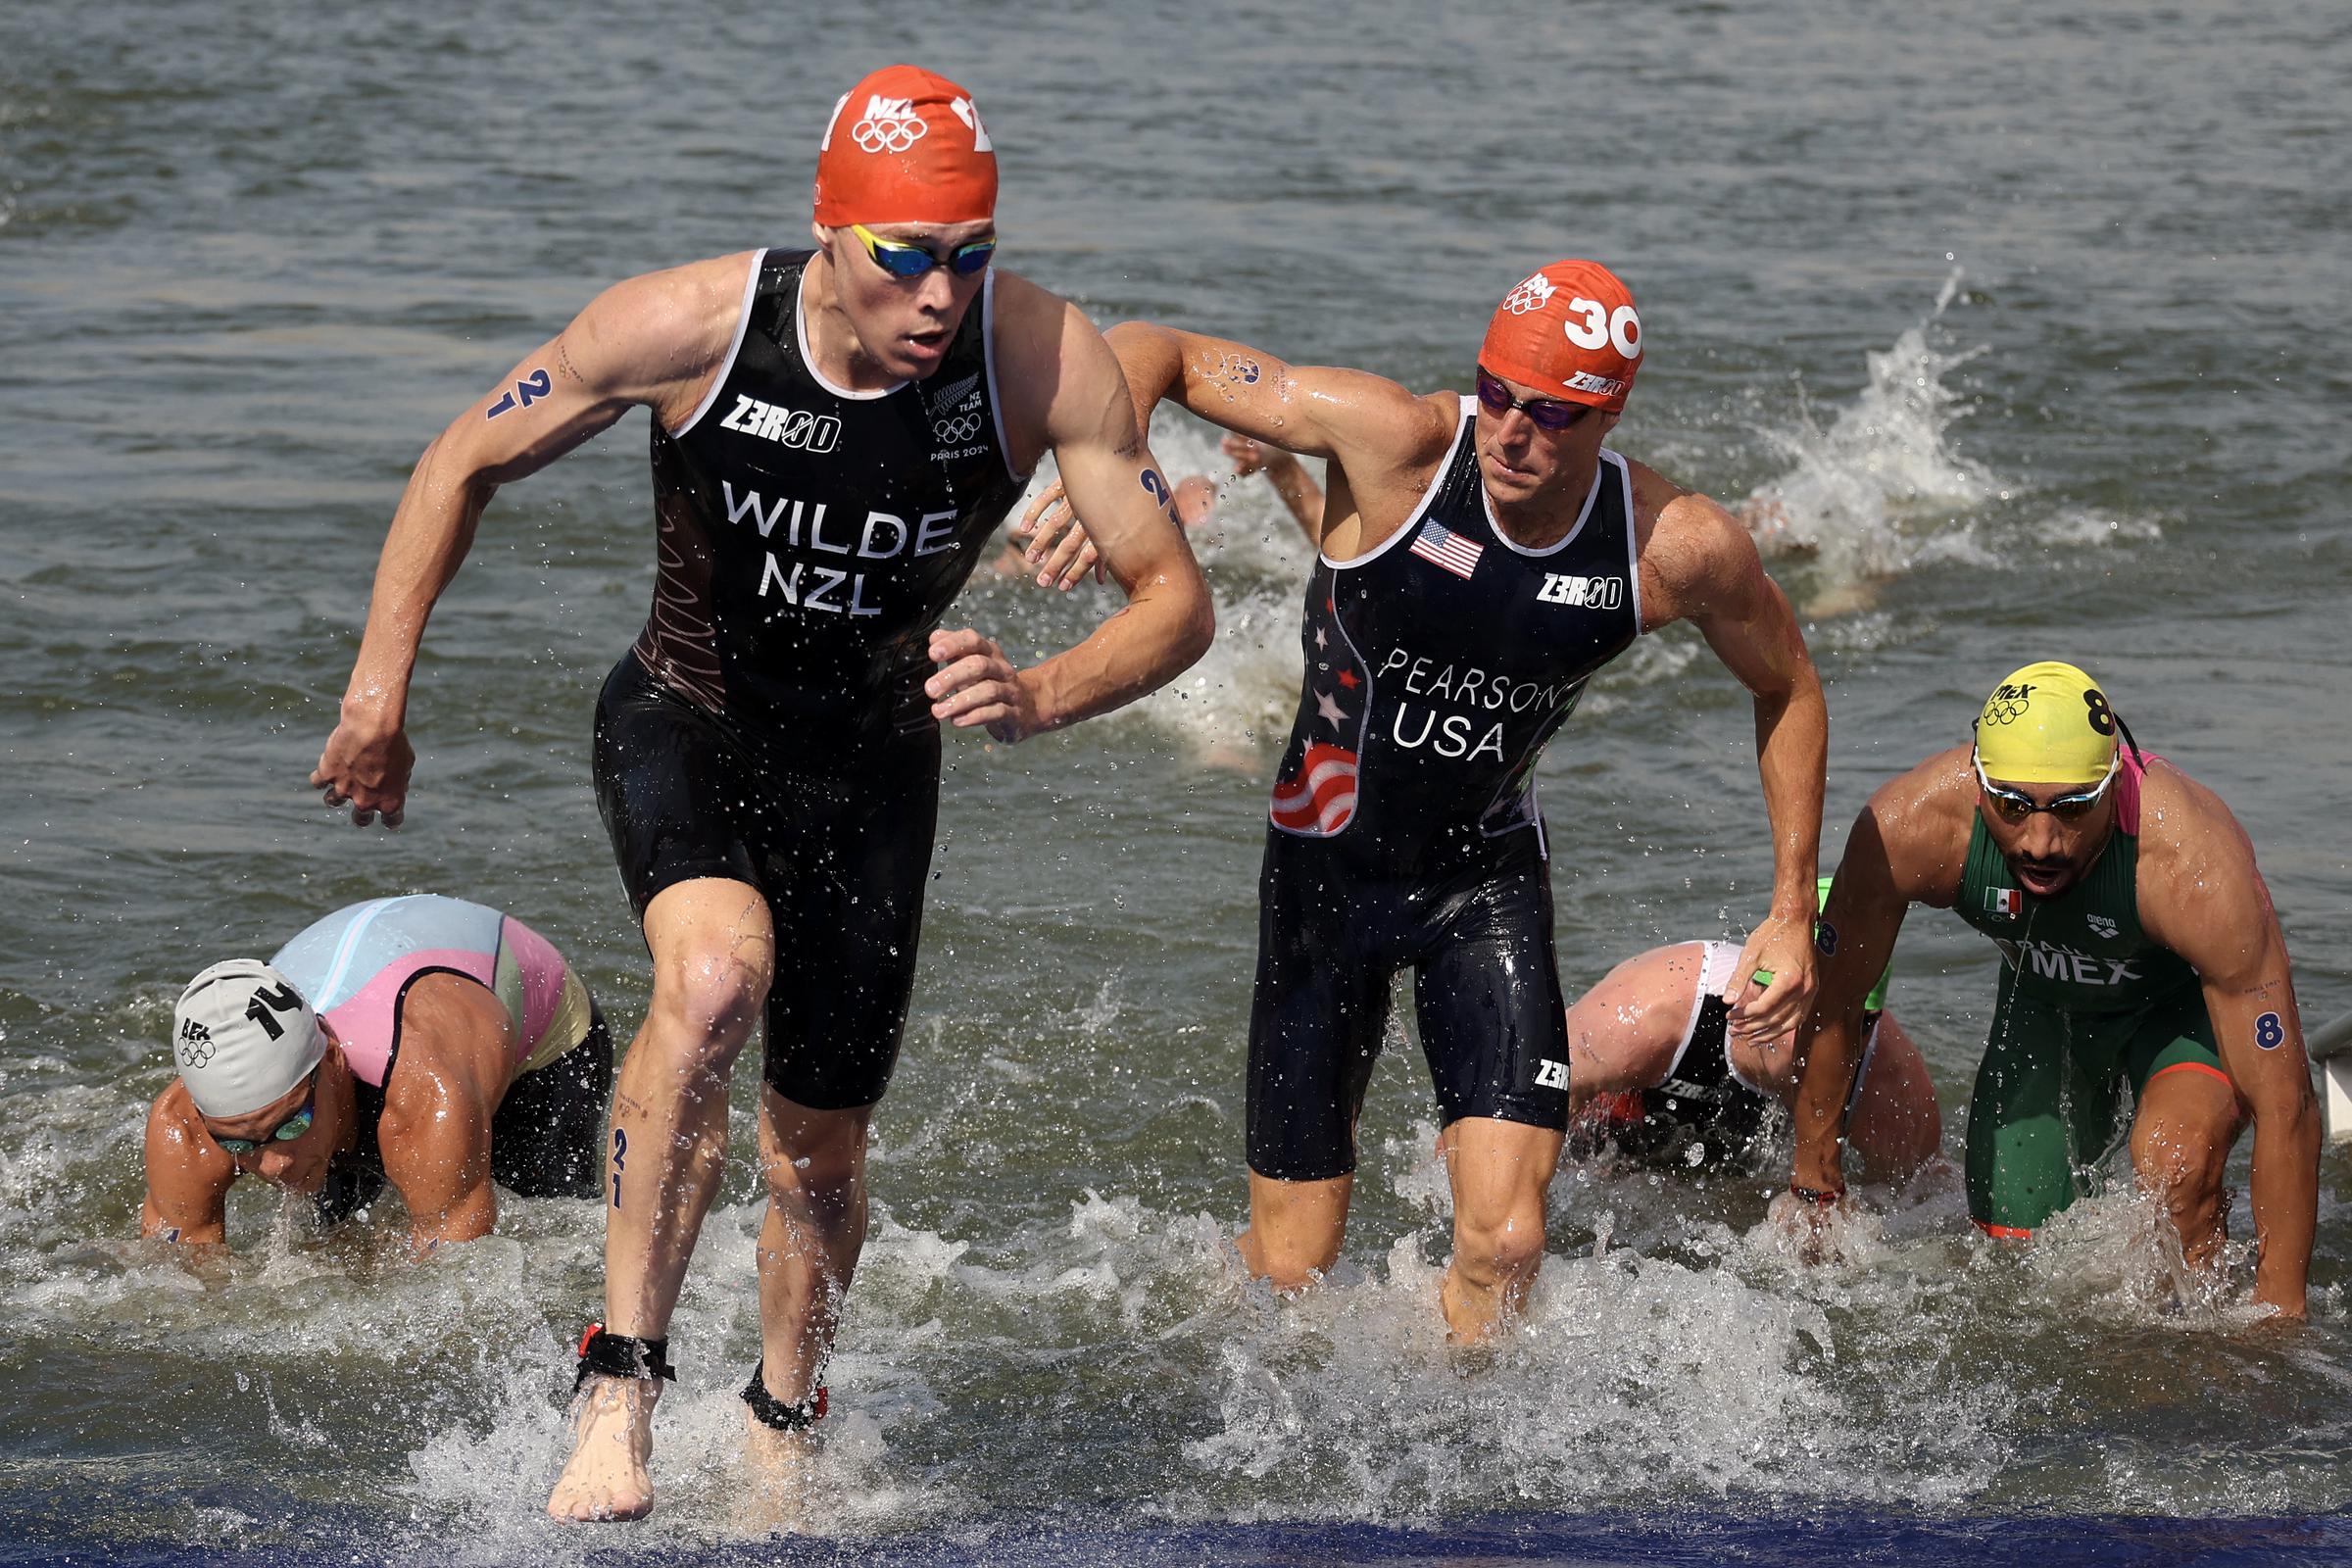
(1479, 558)
(1403, 829)
(836, 432)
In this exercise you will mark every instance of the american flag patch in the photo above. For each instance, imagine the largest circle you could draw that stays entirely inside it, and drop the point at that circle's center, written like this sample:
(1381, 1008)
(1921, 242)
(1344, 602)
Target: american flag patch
(2001, 901)
(1441, 545)
(1321, 800)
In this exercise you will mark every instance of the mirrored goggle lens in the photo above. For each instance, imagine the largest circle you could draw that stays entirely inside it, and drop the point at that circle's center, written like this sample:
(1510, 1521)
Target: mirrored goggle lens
(286, 1132)
(1548, 414)
(2074, 807)
(912, 261)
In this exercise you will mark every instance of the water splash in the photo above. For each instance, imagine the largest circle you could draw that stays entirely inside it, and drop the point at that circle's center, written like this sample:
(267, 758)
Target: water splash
(1884, 471)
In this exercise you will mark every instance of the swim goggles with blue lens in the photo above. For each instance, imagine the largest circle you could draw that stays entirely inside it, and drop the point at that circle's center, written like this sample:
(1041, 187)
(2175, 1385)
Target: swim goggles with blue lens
(285, 1132)
(900, 259)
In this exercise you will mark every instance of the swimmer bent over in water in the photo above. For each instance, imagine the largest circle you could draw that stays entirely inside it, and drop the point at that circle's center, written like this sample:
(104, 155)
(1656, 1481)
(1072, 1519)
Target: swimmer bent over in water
(424, 1041)
(2140, 951)
(1654, 1069)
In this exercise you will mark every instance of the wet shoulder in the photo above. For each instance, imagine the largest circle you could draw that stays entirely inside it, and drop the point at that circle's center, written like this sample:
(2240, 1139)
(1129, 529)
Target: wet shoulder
(1386, 480)
(1694, 555)
(2192, 852)
(1926, 820)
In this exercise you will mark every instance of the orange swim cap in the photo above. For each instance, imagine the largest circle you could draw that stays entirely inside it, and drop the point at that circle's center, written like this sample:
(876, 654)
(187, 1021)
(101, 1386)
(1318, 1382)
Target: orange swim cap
(1568, 330)
(904, 146)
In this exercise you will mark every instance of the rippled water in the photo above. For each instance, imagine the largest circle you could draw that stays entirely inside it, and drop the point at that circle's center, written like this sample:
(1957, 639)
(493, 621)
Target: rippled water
(2028, 319)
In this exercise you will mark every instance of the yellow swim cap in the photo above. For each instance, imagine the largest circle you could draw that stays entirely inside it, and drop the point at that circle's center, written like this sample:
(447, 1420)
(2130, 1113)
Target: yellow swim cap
(2047, 723)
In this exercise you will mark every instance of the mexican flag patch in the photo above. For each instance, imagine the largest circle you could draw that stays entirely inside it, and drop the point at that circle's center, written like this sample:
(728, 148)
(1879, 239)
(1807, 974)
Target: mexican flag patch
(2004, 902)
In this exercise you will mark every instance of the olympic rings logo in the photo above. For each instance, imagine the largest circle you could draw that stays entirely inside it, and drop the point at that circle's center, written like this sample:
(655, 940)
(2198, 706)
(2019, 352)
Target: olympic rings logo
(2004, 711)
(957, 429)
(1532, 295)
(894, 134)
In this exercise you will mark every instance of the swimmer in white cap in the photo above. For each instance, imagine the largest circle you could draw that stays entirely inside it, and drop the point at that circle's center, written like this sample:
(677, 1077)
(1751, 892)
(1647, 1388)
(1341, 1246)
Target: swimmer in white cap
(424, 1041)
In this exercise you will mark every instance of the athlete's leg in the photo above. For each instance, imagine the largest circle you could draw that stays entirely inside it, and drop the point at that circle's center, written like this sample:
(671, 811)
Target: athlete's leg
(1893, 1124)
(713, 949)
(2044, 1108)
(1487, 991)
(1501, 1171)
(1317, 1013)
(1296, 1228)
(814, 1163)
(2187, 1115)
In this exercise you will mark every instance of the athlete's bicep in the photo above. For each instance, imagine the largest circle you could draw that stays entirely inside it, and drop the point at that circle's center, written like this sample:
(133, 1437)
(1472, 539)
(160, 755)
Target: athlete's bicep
(2205, 900)
(652, 341)
(1112, 481)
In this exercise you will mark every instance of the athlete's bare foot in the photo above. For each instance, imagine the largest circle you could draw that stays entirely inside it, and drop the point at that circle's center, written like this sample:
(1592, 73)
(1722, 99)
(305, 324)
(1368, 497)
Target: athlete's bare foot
(611, 1437)
(780, 1469)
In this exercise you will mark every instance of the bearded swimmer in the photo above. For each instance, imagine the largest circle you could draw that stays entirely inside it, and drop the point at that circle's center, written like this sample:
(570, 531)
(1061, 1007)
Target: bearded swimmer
(1481, 558)
(836, 434)
(1655, 1071)
(424, 1041)
(2140, 951)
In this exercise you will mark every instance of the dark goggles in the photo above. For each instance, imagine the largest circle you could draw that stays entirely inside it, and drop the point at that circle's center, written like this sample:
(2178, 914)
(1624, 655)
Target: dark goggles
(1546, 413)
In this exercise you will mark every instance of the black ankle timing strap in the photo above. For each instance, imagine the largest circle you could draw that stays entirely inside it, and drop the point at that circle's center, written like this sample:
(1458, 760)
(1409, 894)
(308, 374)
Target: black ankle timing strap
(774, 1412)
(617, 1355)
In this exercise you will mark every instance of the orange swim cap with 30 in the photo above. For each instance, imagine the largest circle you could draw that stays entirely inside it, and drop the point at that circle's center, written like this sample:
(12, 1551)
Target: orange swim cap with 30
(904, 146)
(1570, 330)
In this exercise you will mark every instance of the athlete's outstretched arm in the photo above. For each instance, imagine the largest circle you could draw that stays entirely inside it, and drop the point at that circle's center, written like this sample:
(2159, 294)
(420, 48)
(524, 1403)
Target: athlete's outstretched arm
(1370, 426)
(650, 340)
(2206, 901)
(189, 1175)
(1698, 565)
(1901, 851)
(1080, 400)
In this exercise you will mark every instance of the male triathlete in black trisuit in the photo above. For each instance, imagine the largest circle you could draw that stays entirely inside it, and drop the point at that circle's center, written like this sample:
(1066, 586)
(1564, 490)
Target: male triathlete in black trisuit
(1481, 558)
(836, 434)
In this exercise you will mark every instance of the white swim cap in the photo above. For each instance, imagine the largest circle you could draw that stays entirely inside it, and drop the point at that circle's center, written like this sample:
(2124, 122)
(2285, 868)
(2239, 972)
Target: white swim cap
(243, 1036)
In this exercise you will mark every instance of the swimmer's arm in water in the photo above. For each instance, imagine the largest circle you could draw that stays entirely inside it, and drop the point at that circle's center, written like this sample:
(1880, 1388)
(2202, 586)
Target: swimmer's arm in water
(437, 1144)
(1698, 565)
(1381, 438)
(1064, 390)
(655, 340)
(2202, 896)
(1907, 846)
(457, 1054)
(189, 1175)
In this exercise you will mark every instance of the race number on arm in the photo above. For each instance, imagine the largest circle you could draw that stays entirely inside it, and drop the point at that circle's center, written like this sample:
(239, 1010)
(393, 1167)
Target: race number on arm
(2202, 896)
(655, 340)
(1064, 392)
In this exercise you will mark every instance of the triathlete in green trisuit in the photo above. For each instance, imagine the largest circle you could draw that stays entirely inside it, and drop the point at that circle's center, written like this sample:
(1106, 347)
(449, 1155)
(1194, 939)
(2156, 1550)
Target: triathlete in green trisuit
(2140, 951)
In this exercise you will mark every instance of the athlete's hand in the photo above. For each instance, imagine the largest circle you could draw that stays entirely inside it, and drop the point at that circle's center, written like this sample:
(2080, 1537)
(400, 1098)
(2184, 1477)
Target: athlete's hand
(1063, 564)
(1256, 457)
(977, 684)
(1814, 1231)
(1783, 947)
(366, 766)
